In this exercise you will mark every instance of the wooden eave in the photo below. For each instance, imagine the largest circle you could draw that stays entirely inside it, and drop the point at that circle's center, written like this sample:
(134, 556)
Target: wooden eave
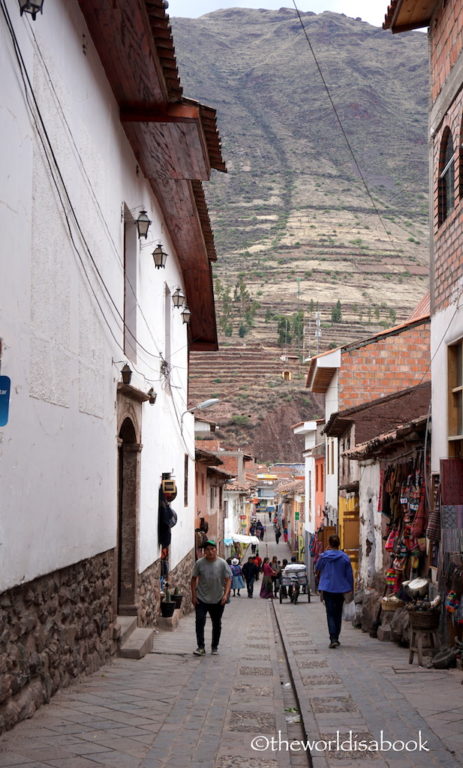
(175, 140)
(405, 15)
(336, 426)
(321, 379)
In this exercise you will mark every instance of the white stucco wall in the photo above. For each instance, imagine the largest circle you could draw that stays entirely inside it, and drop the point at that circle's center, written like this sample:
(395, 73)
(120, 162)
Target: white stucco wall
(58, 453)
(371, 559)
(446, 328)
(332, 406)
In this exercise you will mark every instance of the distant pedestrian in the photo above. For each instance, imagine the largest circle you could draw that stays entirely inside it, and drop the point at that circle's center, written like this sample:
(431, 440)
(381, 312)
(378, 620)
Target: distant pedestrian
(250, 572)
(262, 532)
(336, 578)
(285, 535)
(210, 588)
(237, 577)
(284, 592)
(266, 590)
(270, 515)
(253, 548)
(277, 534)
(275, 573)
(258, 562)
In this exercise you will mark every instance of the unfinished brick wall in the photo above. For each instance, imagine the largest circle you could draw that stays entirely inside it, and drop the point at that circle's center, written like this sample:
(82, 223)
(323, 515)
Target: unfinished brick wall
(446, 43)
(446, 35)
(392, 363)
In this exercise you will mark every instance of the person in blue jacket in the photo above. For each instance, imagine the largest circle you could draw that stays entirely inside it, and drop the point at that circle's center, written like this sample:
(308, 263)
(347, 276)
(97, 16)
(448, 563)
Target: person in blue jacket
(335, 579)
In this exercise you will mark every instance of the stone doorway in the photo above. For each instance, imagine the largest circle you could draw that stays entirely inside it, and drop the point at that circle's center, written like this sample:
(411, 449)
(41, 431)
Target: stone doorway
(127, 528)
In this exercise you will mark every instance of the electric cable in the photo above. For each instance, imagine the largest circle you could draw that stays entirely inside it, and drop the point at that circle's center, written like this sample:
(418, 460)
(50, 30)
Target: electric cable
(343, 131)
(28, 87)
(91, 189)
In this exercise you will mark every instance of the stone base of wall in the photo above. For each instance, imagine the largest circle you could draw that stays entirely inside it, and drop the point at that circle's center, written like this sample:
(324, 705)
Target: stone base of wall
(149, 598)
(52, 630)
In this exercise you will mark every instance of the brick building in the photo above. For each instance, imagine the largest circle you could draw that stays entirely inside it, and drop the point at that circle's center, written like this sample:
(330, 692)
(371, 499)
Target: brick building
(444, 20)
(358, 373)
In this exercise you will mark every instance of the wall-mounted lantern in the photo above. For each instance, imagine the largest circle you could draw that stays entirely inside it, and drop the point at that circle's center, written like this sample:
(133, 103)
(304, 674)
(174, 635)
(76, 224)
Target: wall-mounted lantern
(126, 374)
(143, 224)
(31, 6)
(178, 298)
(159, 257)
(152, 395)
(186, 315)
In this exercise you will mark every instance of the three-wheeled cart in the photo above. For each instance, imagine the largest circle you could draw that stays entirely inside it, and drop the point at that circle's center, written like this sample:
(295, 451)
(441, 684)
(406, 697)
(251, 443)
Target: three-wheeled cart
(294, 582)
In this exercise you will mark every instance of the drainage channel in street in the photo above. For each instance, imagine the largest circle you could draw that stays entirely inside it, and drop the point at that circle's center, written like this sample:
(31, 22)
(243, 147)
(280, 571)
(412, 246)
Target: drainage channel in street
(296, 718)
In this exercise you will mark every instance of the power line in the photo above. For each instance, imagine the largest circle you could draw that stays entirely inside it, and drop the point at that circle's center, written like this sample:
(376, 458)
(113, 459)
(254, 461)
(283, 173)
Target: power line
(53, 165)
(346, 138)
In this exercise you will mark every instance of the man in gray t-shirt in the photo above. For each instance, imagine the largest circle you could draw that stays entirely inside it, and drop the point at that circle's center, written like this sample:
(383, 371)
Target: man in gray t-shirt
(210, 588)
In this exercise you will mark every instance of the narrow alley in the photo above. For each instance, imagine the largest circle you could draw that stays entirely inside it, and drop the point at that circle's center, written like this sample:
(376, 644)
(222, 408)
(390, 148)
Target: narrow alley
(174, 709)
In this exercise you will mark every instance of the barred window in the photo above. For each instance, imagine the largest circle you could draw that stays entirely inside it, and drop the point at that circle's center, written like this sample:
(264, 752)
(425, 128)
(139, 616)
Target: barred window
(446, 178)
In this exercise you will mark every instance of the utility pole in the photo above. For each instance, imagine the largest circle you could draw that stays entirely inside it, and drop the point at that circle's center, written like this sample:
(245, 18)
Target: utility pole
(318, 330)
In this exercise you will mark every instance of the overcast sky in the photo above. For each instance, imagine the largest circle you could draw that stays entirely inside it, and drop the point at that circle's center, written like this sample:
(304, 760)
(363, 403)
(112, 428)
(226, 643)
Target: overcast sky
(372, 11)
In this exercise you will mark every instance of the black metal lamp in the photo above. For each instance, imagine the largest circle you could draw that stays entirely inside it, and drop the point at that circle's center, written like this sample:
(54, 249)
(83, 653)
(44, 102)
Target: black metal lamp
(152, 395)
(186, 315)
(143, 224)
(126, 374)
(31, 6)
(159, 257)
(178, 298)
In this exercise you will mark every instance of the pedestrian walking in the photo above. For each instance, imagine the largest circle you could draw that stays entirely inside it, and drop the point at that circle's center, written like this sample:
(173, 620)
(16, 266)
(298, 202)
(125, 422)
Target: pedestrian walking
(258, 562)
(210, 588)
(277, 534)
(266, 590)
(275, 573)
(335, 580)
(285, 535)
(270, 515)
(237, 577)
(250, 573)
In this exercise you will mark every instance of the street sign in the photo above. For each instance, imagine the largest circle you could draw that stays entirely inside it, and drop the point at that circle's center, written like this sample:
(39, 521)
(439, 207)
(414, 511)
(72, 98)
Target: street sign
(296, 516)
(5, 386)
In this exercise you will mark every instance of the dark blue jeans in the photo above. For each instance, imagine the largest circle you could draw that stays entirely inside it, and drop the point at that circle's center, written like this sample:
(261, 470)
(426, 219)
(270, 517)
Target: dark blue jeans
(215, 611)
(250, 586)
(333, 604)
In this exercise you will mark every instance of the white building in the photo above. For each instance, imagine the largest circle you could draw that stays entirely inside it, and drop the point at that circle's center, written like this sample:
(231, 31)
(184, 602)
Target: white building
(95, 130)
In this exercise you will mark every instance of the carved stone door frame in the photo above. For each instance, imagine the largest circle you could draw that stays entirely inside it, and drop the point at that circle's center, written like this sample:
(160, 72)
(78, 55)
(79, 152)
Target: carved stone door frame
(129, 418)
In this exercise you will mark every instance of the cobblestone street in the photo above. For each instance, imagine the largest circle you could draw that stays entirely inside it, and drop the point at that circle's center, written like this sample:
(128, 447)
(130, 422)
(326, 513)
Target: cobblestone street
(174, 709)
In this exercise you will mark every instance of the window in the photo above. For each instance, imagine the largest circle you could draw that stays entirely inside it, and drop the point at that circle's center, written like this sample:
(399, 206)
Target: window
(185, 481)
(130, 286)
(213, 495)
(455, 399)
(446, 177)
(165, 364)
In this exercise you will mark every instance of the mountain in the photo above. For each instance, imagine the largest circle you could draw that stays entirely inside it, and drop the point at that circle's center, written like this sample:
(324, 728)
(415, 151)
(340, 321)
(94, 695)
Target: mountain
(315, 248)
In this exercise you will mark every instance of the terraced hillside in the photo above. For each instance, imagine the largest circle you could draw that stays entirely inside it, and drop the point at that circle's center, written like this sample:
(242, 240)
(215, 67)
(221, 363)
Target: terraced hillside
(298, 233)
(261, 393)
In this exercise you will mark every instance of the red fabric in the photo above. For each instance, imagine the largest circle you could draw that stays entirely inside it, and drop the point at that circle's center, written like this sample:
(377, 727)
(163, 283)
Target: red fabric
(451, 471)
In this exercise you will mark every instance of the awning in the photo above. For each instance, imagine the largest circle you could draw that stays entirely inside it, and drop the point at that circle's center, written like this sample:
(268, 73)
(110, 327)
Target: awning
(241, 538)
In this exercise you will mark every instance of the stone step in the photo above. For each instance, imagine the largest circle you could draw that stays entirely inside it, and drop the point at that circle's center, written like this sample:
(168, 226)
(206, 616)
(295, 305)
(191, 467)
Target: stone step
(125, 625)
(137, 644)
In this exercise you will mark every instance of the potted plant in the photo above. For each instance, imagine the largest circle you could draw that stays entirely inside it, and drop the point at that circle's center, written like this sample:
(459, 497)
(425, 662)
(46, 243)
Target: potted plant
(167, 604)
(177, 597)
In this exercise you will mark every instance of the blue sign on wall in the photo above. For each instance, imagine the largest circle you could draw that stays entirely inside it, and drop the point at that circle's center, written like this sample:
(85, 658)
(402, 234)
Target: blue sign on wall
(5, 386)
